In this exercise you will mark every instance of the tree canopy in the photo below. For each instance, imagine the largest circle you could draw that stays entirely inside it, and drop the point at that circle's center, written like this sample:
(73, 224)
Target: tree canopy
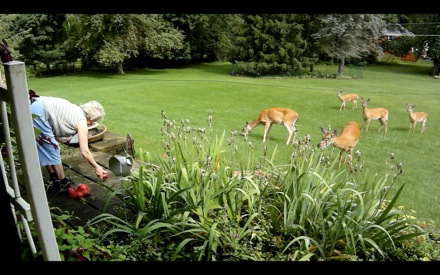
(257, 44)
(111, 39)
(40, 37)
(344, 36)
(269, 44)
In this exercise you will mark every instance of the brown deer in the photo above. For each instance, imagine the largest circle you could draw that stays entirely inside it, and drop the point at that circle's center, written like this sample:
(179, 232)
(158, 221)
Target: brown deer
(345, 141)
(345, 98)
(380, 114)
(276, 115)
(415, 117)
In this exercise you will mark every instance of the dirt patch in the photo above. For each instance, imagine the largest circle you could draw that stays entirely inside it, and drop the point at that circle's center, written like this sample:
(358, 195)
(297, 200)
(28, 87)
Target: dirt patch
(68, 151)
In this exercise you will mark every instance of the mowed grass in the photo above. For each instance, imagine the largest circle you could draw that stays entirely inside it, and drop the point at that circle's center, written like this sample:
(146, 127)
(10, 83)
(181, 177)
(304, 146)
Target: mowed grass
(134, 103)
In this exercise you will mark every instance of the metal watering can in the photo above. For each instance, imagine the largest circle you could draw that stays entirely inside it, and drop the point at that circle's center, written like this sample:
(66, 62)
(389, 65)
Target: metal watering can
(121, 165)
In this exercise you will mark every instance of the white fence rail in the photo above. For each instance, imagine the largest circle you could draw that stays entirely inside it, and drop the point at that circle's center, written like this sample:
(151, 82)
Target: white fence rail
(14, 101)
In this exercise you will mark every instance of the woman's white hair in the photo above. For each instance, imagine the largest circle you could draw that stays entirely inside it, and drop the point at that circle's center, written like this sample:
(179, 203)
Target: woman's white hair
(93, 110)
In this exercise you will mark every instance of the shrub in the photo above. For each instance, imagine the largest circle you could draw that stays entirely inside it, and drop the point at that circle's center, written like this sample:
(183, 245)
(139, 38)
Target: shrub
(197, 206)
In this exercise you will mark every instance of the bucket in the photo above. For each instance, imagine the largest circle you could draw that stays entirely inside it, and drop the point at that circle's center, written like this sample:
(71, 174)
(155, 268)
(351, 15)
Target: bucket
(120, 165)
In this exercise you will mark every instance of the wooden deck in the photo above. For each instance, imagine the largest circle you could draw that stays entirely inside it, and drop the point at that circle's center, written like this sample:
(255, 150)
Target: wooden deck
(80, 171)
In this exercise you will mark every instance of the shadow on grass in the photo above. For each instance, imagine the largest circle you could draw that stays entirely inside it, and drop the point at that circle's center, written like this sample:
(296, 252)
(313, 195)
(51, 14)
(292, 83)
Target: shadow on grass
(217, 68)
(421, 67)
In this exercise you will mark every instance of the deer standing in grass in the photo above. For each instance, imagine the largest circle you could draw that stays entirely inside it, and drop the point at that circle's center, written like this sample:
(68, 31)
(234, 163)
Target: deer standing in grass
(345, 141)
(380, 114)
(276, 115)
(415, 117)
(345, 98)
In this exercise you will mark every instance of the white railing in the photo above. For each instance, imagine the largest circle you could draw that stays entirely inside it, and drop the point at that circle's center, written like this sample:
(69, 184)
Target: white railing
(14, 96)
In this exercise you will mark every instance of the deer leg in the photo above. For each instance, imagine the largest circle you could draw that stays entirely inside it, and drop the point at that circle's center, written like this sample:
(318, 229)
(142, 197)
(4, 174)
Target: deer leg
(384, 123)
(268, 130)
(340, 158)
(423, 128)
(290, 136)
(267, 127)
(350, 159)
(291, 130)
(293, 135)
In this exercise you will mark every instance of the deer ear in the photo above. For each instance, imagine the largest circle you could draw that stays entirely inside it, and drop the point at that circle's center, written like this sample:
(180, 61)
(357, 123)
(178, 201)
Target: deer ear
(334, 132)
(323, 130)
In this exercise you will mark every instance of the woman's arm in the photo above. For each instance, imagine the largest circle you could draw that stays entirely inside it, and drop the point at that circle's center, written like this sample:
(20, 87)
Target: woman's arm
(83, 132)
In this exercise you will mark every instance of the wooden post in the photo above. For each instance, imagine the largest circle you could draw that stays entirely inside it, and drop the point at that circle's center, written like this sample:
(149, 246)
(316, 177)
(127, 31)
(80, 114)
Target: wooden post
(18, 98)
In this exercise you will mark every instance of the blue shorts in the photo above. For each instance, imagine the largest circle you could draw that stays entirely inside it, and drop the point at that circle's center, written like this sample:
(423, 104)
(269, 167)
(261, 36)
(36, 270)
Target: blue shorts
(47, 146)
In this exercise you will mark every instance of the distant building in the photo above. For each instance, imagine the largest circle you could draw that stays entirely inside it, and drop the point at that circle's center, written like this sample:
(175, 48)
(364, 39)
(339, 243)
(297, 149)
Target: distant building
(395, 31)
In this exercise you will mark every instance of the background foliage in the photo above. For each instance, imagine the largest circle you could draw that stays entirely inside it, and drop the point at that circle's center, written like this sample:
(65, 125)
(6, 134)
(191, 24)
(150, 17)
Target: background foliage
(260, 44)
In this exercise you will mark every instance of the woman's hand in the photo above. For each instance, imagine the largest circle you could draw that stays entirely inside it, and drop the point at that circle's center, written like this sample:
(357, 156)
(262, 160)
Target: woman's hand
(101, 173)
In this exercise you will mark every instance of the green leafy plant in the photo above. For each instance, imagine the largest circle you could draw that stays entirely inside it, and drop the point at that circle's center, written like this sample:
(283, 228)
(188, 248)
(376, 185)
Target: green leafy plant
(77, 244)
(198, 206)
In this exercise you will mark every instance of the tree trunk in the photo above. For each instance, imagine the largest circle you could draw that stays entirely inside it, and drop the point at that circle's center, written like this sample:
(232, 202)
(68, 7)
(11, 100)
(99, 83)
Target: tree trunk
(120, 68)
(436, 70)
(341, 66)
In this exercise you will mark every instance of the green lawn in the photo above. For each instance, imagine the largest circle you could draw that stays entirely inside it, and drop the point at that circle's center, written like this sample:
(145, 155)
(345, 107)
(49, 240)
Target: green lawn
(134, 103)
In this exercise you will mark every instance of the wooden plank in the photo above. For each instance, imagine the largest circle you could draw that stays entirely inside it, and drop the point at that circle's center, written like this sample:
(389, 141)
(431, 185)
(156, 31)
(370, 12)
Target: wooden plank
(83, 210)
(100, 200)
(80, 211)
(110, 142)
(77, 164)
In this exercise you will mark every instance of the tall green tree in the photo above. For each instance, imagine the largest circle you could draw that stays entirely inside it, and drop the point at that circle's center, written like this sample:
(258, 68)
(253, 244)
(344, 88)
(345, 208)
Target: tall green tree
(39, 38)
(269, 44)
(311, 25)
(203, 33)
(345, 36)
(5, 23)
(111, 39)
